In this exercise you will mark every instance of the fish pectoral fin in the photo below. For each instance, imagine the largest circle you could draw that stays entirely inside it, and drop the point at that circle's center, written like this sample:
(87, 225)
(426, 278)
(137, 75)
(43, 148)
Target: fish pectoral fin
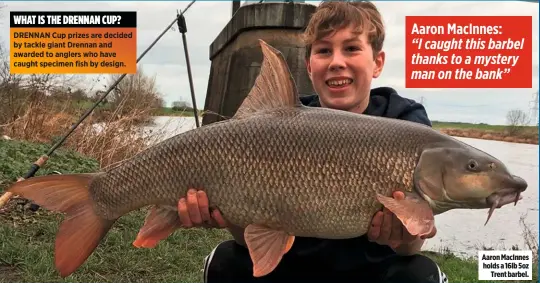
(160, 222)
(416, 215)
(266, 247)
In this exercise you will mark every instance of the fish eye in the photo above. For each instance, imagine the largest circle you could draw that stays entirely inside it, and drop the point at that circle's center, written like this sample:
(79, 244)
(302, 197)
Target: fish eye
(472, 165)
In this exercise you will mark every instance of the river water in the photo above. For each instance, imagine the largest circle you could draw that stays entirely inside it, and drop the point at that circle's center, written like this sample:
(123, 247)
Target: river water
(461, 231)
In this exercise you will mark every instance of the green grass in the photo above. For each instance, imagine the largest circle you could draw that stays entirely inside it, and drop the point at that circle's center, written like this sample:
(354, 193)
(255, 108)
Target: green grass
(27, 239)
(465, 270)
(457, 269)
(479, 126)
(459, 125)
(28, 245)
(16, 157)
(87, 104)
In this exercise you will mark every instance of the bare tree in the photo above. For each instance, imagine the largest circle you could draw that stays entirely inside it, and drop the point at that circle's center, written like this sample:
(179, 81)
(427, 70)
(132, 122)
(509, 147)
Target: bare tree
(136, 93)
(516, 119)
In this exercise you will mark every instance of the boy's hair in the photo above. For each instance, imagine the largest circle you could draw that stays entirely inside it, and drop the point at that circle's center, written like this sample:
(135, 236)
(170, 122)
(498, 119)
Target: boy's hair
(331, 16)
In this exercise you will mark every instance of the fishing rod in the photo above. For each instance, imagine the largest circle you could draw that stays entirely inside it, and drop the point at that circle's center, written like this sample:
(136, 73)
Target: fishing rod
(182, 28)
(43, 159)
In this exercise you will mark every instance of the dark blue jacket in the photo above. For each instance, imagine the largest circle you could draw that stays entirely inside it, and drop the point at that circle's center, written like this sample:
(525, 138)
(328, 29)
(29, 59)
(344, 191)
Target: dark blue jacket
(385, 102)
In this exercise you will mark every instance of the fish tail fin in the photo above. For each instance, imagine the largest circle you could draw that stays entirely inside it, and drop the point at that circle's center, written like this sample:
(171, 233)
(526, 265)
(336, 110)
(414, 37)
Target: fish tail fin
(82, 229)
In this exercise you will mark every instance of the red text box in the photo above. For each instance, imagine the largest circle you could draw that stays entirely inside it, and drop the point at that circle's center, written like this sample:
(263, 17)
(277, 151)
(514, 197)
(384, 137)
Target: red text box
(468, 52)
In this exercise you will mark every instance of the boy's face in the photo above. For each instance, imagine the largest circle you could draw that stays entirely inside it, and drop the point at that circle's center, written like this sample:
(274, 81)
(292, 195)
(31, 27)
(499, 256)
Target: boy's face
(341, 67)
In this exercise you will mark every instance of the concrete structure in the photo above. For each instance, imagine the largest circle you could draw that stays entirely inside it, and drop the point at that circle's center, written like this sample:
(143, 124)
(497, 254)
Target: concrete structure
(236, 54)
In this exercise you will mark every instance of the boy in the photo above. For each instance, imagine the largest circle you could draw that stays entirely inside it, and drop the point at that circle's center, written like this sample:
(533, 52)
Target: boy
(344, 53)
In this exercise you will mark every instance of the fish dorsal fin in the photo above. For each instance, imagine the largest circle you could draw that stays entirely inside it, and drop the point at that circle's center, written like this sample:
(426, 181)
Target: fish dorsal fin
(274, 86)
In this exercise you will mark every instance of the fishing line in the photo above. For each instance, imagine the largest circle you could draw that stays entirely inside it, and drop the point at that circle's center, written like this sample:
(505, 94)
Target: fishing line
(43, 159)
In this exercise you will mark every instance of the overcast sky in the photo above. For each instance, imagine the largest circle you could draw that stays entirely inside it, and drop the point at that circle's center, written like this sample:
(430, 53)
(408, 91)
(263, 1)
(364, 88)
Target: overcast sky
(206, 19)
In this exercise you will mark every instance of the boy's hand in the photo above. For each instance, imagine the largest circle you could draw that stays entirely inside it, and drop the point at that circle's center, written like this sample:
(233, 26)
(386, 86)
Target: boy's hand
(195, 212)
(387, 229)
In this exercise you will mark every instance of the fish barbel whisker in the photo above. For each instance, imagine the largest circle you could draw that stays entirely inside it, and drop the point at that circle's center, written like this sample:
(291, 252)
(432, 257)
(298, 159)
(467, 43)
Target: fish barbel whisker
(498, 200)
(517, 198)
(494, 204)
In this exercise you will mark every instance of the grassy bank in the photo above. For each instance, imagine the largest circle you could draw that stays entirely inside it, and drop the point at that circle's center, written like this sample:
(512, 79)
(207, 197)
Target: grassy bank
(27, 245)
(520, 134)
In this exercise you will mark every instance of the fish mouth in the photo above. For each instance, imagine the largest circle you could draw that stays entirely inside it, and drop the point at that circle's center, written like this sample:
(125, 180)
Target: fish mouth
(502, 198)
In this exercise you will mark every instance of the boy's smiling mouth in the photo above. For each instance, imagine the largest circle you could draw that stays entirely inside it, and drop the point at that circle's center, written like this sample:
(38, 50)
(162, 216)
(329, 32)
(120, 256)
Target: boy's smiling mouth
(339, 82)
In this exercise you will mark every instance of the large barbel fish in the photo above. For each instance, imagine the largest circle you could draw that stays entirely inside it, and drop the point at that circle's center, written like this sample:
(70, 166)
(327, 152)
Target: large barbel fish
(280, 170)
